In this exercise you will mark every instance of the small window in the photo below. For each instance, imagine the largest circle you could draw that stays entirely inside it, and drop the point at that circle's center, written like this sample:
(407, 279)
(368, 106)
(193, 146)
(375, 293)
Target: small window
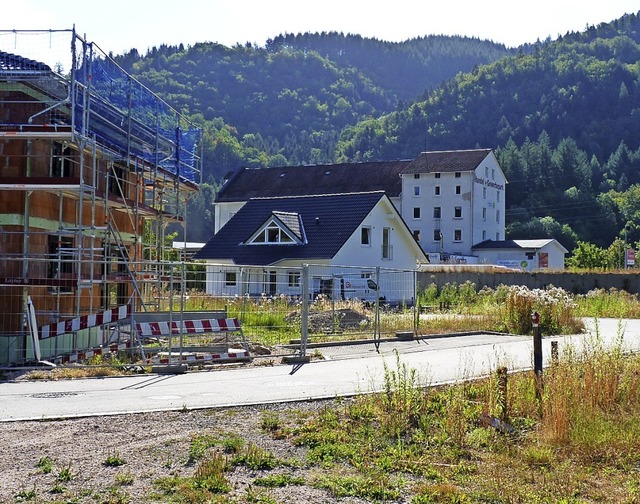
(493, 173)
(416, 235)
(437, 175)
(365, 236)
(416, 190)
(436, 190)
(437, 212)
(60, 160)
(498, 216)
(416, 175)
(484, 214)
(486, 172)
(230, 279)
(484, 193)
(458, 189)
(457, 212)
(294, 278)
(484, 235)
(497, 236)
(416, 212)
(457, 235)
(437, 236)
(498, 197)
(458, 174)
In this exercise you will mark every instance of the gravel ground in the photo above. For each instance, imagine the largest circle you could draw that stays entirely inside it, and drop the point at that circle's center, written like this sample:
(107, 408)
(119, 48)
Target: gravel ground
(152, 446)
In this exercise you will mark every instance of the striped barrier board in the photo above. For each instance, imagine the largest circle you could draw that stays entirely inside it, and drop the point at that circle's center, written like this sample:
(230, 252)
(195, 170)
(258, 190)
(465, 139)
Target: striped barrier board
(84, 322)
(149, 329)
(198, 358)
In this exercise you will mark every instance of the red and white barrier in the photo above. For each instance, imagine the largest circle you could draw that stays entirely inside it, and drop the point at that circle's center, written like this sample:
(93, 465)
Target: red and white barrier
(148, 329)
(85, 322)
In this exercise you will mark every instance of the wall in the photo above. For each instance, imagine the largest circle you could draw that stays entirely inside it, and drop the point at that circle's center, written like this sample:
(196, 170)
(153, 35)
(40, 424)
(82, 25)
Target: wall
(577, 283)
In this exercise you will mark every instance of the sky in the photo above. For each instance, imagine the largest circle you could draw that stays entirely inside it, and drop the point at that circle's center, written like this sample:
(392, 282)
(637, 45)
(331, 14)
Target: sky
(120, 25)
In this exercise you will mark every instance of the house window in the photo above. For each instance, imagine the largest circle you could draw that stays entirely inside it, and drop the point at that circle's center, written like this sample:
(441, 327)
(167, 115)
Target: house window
(437, 190)
(484, 214)
(416, 235)
(458, 189)
(437, 235)
(416, 175)
(493, 173)
(416, 190)
(230, 279)
(294, 278)
(387, 249)
(458, 174)
(437, 212)
(484, 193)
(365, 235)
(60, 264)
(457, 235)
(60, 160)
(457, 212)
(416, 212)
(437, 175)
(498, 236)
(498, 196)
(498, 216)
(484, 235)
(272, 233)
(486, 172)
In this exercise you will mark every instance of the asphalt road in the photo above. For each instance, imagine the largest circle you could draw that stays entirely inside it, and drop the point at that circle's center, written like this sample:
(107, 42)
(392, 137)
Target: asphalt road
(343, 372)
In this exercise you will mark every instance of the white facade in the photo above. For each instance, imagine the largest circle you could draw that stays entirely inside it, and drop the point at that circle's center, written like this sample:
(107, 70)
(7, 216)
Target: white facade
(381, 241)
(527, 255)
(453, 210)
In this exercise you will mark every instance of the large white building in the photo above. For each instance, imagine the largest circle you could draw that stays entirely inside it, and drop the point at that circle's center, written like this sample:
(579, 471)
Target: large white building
(452, 200)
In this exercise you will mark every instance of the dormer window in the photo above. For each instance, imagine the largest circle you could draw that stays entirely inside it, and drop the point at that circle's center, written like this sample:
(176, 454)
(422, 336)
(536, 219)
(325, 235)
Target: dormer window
(272, 234)
(280, 229)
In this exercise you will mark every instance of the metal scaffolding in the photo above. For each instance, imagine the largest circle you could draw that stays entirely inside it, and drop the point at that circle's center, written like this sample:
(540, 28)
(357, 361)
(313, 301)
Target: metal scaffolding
(93, 167)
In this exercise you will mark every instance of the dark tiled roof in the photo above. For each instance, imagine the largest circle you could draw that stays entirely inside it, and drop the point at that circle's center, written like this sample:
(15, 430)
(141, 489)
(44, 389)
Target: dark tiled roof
(11, 63)
(292, 221)
(446, 161)
(328, 221)
(317, 179)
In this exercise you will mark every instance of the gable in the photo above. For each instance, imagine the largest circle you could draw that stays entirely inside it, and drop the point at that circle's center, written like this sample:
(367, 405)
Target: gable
(281, 228)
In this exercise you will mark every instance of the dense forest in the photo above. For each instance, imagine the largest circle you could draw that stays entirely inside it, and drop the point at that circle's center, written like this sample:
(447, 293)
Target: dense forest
(563, 116)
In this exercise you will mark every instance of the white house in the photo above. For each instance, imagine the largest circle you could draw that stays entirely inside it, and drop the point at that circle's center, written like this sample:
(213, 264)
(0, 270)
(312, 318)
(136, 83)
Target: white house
(261, 248)
(529, 255)
(452, 200)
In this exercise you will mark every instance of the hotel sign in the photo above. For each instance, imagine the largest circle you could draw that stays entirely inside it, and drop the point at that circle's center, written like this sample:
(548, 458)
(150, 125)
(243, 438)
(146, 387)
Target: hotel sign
(488, 183)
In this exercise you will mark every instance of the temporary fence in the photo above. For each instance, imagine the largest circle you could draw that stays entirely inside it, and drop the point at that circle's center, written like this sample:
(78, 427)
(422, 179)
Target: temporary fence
(200, 313)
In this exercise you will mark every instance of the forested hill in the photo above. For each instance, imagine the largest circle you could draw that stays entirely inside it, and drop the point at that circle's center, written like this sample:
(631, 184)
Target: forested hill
(565, 120)
(562, 115)
(286, 102)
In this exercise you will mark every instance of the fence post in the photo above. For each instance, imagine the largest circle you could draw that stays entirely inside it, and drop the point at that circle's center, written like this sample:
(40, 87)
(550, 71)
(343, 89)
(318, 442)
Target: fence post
(304, 315)
(376, 329)
(537, 344)
(502, 393)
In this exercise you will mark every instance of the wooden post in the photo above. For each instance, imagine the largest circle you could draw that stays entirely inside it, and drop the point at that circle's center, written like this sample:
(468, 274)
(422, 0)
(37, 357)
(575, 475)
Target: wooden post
(502, 393)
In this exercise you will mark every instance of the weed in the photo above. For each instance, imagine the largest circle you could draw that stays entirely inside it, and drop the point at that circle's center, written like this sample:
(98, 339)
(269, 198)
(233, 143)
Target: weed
(65, 475)
(270, 422)
(45, 464)
(209, 474)
(125, 479)
(113, 460)
(376, 488)
(256, 458)
(26, 495)
(279, 480)
(232, 443)
(199, 446)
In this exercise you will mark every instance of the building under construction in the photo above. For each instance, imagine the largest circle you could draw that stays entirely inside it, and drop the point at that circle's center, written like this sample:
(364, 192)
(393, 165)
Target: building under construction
(93, 167)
